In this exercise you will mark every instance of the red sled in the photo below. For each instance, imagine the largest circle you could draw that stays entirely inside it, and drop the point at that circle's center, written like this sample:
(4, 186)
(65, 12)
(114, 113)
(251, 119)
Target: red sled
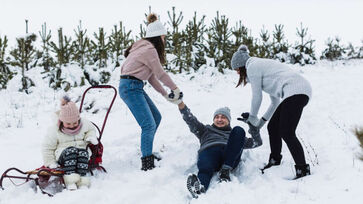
(45, 178)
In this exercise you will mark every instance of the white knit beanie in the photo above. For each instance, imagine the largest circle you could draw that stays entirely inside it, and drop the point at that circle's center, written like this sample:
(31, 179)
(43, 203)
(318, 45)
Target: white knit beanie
(155, 27)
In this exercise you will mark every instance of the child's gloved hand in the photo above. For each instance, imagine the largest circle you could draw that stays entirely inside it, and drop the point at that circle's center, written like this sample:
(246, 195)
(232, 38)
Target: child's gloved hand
(53, 166)
(92, 140)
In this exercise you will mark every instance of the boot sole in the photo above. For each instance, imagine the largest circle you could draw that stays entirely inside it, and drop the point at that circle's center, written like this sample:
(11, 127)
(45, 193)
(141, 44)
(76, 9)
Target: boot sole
(193, 185)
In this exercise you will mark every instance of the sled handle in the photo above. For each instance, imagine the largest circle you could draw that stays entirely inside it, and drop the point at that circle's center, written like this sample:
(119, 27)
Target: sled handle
(5, 175)
(109, 108)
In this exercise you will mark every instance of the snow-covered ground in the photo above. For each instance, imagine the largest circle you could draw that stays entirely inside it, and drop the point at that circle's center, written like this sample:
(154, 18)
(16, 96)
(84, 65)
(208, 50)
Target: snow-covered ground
(325, 131)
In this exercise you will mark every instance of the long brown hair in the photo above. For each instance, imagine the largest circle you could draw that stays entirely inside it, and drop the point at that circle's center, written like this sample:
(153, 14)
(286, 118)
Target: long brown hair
(158, 44)
(127, 51)
(242, 76)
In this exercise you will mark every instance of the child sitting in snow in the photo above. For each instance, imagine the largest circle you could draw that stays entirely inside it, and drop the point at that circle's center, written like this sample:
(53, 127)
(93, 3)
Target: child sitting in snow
(66, 142)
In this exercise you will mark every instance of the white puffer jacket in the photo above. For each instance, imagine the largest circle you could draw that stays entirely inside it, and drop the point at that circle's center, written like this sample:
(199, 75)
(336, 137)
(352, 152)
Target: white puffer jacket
(55, 141)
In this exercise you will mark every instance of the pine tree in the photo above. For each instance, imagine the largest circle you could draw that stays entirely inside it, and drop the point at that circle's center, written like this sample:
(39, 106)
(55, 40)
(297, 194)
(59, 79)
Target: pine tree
(119, 40)
(25, 51)
(210, 48)
(5, 74)
(242, 36)
(334, 51)
(194, 38)
(360, 52)
(280, 47)
(64, 48)
(100, 46)
(351, 51)
(142, 31)
(174, 20)
(63, 52)
(81, 46)
(303, 52)
(265, 48)
(219, 43)
(3, 46)
(23, 55)
(46, 60)
(176, 45)
(100, 56)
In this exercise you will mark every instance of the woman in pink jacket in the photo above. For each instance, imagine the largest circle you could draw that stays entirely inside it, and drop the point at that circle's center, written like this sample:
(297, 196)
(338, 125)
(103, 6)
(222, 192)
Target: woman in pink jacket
(144, 61)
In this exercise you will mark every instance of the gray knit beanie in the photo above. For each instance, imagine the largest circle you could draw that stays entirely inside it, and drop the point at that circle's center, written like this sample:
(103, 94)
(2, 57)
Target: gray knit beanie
(223, 111)
(240, 57)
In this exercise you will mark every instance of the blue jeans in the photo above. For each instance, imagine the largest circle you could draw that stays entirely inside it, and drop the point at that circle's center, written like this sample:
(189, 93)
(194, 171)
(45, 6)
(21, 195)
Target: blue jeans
(211, 159)
(144, 110)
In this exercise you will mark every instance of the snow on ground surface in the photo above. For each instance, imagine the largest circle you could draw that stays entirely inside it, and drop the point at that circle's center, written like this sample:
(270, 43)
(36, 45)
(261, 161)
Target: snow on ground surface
(325, 131)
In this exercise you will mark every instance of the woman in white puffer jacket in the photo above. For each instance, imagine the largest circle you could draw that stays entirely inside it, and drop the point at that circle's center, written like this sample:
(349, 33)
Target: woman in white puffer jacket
(65, 145)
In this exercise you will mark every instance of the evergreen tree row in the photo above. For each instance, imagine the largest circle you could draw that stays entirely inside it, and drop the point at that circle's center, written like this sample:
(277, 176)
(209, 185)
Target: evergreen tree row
(188, 48)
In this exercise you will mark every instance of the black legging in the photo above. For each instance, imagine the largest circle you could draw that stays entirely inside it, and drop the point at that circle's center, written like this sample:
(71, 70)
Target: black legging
(283, 126)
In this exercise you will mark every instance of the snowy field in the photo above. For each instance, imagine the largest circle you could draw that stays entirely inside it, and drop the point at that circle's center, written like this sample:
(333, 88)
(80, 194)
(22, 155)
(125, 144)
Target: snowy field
(325, 131)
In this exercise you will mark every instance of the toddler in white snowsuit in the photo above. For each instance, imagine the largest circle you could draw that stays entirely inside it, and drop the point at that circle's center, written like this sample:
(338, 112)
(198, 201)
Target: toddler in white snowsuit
(65, 145)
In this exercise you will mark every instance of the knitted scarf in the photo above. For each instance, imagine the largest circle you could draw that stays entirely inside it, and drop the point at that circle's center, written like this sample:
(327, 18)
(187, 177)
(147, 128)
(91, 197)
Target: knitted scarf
(72, 132)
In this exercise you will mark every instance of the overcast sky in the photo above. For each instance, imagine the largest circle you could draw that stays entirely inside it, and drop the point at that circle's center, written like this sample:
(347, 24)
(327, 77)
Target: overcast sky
(324, 18)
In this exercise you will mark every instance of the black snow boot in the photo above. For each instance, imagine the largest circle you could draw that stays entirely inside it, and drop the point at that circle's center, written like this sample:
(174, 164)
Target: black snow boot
(272, 161)
(302, 170)
(224, 174)
(194, 186)
(147, 162)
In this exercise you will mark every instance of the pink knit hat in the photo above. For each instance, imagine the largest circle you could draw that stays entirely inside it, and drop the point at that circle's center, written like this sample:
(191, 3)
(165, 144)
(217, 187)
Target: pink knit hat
(69, 112)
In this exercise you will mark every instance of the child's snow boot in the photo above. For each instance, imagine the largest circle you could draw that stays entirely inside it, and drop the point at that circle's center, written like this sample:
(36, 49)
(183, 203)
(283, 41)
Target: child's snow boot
(84, 182)
(302, 170)
(194, 186)
(70, 181)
